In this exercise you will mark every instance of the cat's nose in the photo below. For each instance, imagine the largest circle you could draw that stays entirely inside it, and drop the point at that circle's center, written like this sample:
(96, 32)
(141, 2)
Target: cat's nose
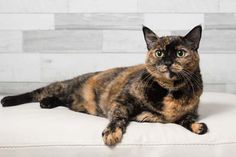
(168, 63)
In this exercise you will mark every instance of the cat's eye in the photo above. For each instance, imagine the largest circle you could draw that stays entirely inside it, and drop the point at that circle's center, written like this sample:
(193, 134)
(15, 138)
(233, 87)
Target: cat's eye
(159, 54)
(180, 53)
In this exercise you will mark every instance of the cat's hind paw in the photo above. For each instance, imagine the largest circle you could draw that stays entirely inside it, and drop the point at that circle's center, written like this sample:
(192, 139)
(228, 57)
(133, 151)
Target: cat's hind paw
(50, 102)
(199, 128)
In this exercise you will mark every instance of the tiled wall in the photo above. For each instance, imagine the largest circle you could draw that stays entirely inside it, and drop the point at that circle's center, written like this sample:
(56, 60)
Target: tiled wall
(48, 40)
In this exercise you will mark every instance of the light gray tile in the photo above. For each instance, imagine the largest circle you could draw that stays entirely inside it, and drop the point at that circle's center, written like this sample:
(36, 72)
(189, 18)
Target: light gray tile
(99, 21)
(231, 88)
(222, 88)
(228, 6)
(31, 6)
(123, 41)
(26, 21)
(220, 21)
(219, 40)
(218, 68)
(172, 21)
(178, 6)
(216, 41)
(62, 41)
(10, 41)
(19, 67)
(109, 6)
(214, 88)
(19, 87)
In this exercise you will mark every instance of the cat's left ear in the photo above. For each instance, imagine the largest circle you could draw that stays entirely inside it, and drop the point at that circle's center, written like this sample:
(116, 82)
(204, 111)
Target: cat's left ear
(193, 37)
(150, 38)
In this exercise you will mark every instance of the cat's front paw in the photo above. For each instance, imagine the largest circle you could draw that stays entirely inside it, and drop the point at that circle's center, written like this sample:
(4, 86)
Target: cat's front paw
(199, 128)
(112, 136)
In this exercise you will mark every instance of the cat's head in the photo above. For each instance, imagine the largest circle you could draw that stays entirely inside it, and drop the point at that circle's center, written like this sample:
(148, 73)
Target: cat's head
(170, 57)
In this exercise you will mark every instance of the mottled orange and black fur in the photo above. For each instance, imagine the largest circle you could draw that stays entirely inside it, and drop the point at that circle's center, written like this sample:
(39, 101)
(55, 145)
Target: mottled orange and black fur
(166, 89)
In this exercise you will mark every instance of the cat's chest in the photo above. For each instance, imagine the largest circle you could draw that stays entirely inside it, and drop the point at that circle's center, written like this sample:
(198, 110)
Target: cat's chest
(173, 109)
(171, 104)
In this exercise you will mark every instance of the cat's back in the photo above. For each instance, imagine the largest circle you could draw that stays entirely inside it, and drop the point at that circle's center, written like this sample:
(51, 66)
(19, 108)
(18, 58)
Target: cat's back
(102, 79)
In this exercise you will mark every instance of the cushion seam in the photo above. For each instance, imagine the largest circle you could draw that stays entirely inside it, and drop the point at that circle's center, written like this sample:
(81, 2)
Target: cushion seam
(99, 145)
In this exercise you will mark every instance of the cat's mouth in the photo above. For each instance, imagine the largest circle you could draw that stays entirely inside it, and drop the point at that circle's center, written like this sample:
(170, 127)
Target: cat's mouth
(169, 72)
(163, 72)
(170, 75)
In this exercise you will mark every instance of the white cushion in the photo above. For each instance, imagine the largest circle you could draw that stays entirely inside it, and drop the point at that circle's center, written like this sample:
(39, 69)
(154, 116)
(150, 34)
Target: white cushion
(28, 130)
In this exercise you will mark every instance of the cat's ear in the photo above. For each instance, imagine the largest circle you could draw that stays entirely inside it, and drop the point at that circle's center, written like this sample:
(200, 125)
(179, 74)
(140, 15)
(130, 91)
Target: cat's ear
(193, 37)
(150, 38)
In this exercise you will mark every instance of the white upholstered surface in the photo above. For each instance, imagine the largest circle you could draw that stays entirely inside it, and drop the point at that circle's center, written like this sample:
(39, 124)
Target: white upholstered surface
(27, 130)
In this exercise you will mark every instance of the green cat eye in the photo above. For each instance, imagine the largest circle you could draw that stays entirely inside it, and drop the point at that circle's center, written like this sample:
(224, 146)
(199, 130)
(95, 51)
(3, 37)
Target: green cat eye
(180, 53)
(159, 54)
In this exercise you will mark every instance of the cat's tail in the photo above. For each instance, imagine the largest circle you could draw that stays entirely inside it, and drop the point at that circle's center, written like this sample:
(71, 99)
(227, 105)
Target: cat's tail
(17, 99)
(37, 95)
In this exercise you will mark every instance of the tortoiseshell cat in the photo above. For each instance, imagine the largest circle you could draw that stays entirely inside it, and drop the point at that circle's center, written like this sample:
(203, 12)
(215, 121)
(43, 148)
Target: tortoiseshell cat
(166, 89)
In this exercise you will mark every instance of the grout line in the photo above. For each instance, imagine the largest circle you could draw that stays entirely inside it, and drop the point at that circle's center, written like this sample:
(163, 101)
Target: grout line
(122, 145)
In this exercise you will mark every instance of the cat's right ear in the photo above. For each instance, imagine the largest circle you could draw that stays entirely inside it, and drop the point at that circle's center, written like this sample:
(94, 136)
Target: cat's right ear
(150, 38)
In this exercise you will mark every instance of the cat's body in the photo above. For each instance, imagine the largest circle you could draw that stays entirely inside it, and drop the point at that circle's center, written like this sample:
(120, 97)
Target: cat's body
(136, 93)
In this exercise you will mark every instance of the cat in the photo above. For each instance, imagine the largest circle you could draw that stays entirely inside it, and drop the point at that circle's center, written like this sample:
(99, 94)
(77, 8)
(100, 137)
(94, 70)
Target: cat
(165, 89)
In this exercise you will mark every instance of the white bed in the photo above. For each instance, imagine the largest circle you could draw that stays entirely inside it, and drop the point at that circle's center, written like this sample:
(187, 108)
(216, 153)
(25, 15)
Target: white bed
(29, 131)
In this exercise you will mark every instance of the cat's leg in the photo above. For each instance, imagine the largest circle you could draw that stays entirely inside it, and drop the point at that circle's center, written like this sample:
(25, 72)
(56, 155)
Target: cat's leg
(189, 122)
(51, 102)
(146, 116)
(118, 116)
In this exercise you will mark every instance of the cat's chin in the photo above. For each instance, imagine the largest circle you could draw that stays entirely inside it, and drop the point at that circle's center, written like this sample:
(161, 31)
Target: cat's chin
(170, 84)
